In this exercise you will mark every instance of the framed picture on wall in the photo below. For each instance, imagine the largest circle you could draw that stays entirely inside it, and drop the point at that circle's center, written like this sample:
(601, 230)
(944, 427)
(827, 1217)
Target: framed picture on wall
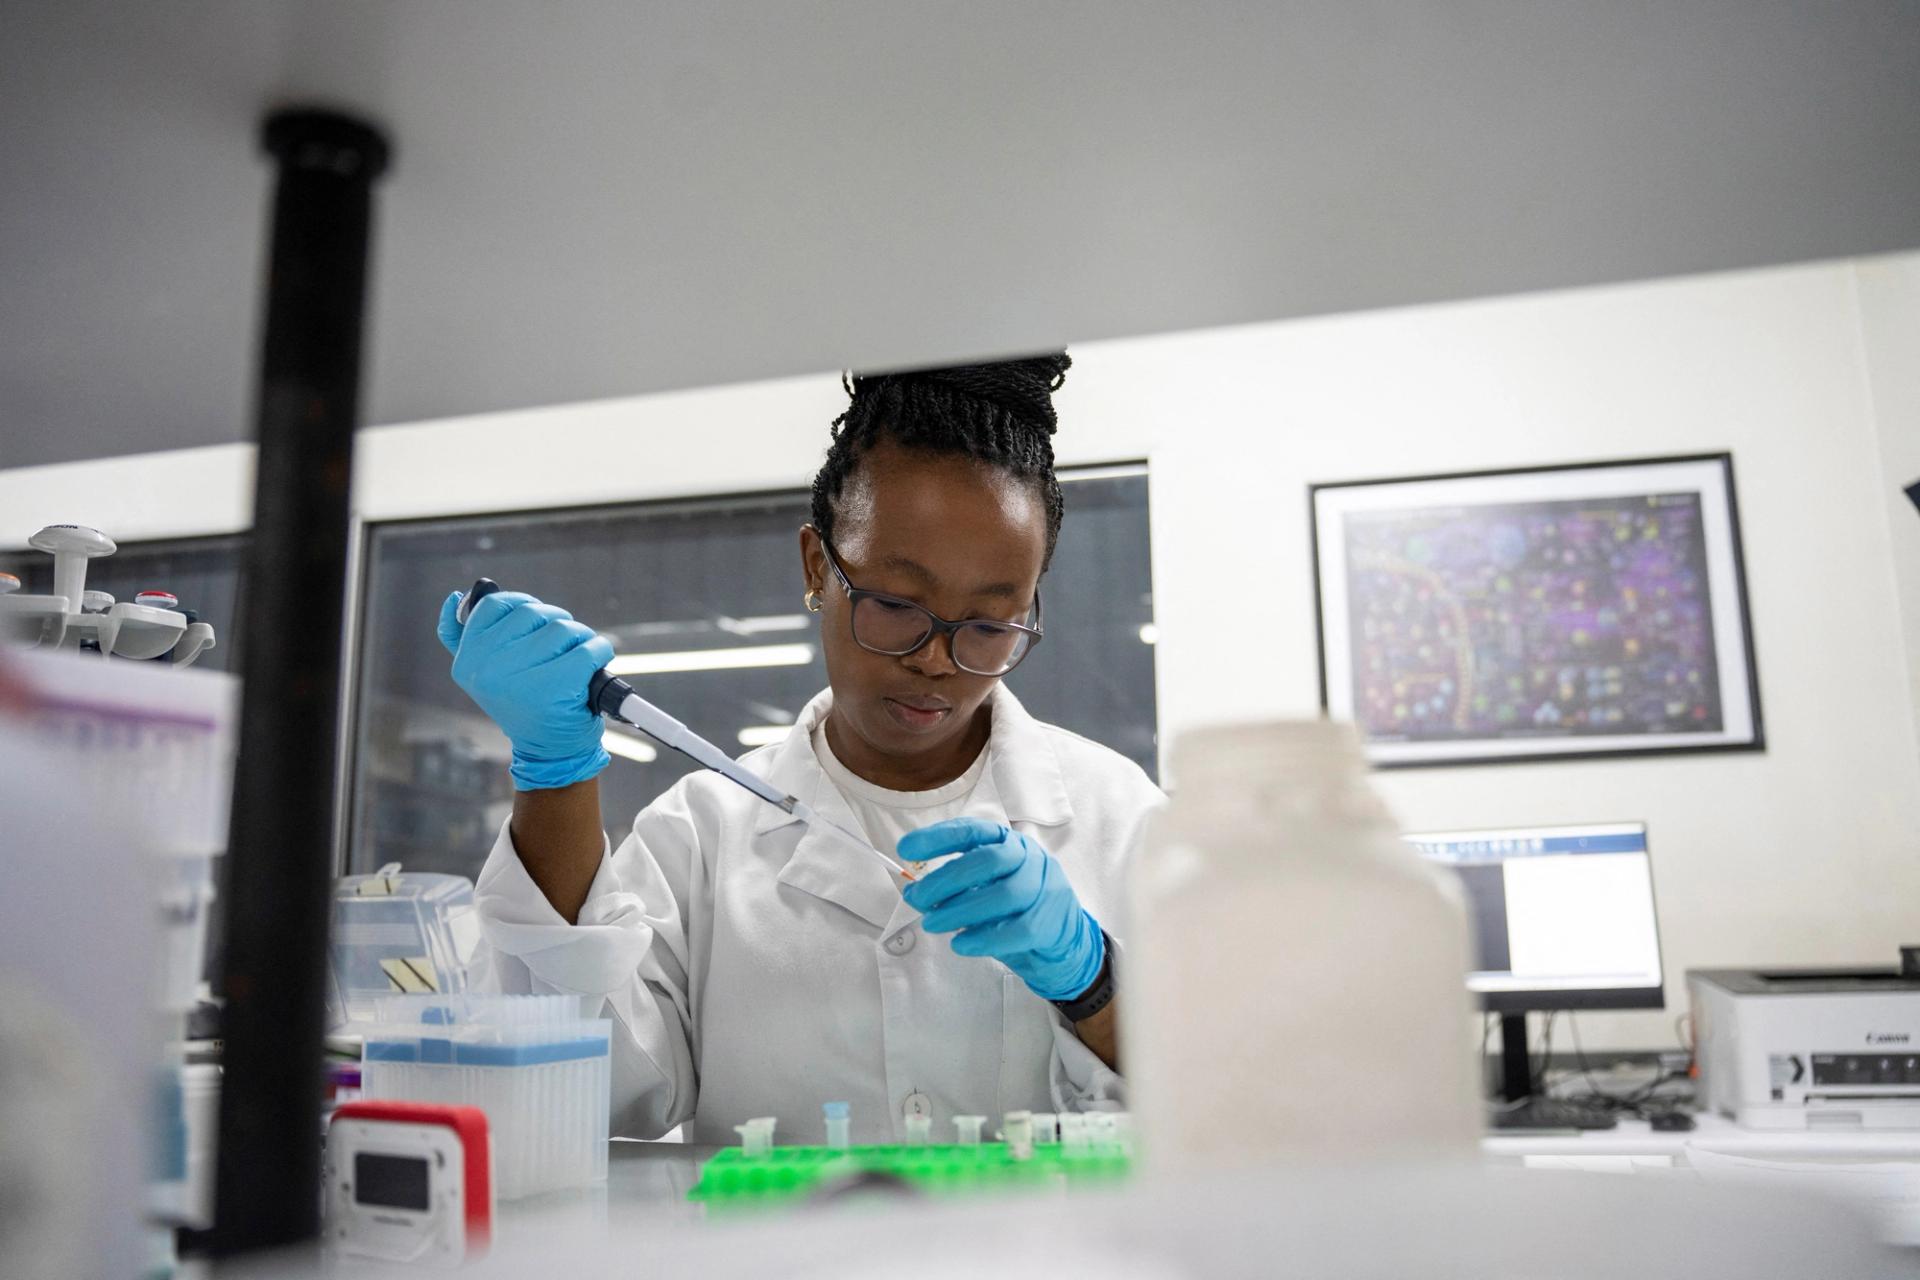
(1538, 613)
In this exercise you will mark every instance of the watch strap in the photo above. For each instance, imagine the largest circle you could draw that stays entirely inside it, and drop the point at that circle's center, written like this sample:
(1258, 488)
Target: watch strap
(1099, 995)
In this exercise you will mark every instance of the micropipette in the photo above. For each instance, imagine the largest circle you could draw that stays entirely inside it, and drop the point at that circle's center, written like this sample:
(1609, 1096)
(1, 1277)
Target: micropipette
(610, 696)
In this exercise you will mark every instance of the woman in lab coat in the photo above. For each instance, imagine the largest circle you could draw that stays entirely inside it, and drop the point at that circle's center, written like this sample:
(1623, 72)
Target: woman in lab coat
(755, 968)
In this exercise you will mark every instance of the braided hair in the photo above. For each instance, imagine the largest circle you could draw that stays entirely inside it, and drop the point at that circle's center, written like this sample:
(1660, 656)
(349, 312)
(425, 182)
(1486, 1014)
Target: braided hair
(1000, 414)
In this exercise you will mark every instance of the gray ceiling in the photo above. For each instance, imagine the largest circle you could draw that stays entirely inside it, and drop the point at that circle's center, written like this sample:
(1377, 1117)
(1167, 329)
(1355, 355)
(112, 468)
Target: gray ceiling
(594, 198)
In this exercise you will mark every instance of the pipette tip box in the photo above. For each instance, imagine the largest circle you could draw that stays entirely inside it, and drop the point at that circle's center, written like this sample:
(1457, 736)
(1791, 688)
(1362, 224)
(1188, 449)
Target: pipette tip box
(539, 1070)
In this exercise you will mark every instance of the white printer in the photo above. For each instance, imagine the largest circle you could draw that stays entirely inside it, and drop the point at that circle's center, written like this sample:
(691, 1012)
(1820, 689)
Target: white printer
(1809, 1048)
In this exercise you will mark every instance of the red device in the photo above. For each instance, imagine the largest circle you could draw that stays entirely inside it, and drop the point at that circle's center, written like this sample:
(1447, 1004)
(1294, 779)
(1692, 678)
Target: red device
(410, 1181)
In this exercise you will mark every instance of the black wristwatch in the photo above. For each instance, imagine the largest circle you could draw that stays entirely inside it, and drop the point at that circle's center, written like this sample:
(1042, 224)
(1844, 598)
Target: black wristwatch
(1099, 995)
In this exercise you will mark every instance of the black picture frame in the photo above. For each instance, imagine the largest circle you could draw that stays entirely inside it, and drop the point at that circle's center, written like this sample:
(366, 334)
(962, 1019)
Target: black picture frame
(1702, 484)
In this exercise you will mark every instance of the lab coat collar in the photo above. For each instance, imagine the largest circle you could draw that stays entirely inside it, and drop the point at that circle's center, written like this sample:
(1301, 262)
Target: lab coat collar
(1022, 783)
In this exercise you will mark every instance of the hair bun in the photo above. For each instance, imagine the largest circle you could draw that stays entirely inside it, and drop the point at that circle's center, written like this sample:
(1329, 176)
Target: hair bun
(1024, 387)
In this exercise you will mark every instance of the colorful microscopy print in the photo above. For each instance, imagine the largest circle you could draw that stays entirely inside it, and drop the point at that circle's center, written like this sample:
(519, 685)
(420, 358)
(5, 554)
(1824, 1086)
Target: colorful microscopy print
(1529, 620)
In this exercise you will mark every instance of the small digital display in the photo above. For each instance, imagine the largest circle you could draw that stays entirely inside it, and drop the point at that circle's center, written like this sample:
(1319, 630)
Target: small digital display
(391, 1182)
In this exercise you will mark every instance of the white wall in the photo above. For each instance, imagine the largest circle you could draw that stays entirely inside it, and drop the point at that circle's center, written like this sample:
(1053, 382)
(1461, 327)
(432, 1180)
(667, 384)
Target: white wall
(1890, 335)
(1808, 853)
(1804, 854)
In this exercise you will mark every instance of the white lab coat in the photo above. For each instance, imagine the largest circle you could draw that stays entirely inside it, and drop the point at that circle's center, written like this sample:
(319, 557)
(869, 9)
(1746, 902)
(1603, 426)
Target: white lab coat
(752, 968)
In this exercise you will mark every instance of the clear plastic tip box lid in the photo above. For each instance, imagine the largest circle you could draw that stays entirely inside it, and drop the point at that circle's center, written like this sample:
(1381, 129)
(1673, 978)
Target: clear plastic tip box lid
(396, 934)
(472, 1030)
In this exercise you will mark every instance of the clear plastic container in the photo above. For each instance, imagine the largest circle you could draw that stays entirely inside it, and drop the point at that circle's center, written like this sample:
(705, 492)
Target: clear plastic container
(540, 1071)
(1297, 974)
(149, 750)
(396, 933)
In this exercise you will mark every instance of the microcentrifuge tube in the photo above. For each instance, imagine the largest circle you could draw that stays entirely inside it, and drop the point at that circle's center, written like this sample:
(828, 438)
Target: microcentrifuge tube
(756, 1135)
(1018, 1127)
(1046, 1127)
(838, 1124)
(919, 1130)
(967, 1129)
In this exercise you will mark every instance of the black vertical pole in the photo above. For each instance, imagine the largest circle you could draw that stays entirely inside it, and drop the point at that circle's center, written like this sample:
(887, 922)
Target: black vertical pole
(278, 866)
(1516, 1071)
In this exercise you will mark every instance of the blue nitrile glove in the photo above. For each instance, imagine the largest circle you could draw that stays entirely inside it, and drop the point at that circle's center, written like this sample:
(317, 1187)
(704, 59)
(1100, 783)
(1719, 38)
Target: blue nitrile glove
(1010, 900)
(528, 664)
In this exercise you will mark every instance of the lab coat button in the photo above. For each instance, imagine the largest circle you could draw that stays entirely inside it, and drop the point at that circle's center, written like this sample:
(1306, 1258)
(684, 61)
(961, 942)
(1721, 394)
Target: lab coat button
(917, 1104)
(902, 942)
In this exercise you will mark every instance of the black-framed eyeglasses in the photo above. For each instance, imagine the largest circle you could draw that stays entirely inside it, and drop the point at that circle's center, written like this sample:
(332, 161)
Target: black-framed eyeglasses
(894, 627)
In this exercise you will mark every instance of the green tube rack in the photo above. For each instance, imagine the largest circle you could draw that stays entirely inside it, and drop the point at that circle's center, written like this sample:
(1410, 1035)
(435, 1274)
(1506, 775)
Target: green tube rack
(734, 1180)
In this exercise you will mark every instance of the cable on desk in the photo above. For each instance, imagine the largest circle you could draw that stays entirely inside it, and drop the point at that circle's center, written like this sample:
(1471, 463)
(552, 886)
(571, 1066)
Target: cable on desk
(1683, 1031)
(1546, 1050)
(1641, 1103)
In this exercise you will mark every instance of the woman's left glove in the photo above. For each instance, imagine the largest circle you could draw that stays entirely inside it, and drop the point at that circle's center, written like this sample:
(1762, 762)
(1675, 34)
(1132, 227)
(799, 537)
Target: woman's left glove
(1009, 899)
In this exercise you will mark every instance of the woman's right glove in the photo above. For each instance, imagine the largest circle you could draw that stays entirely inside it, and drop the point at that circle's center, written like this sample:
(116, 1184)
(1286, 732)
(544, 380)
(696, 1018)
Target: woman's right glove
(527, 665)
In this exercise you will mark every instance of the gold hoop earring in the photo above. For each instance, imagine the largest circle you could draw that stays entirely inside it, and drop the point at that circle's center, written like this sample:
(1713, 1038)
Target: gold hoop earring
(813, 602)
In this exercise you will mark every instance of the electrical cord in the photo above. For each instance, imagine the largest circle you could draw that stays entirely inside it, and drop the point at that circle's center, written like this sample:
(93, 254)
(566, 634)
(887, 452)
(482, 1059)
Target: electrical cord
(1642, 1103)
(1486, 1034)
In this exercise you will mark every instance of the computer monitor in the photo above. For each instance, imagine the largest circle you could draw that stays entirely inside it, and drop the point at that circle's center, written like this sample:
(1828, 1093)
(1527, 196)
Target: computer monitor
(1563, 919)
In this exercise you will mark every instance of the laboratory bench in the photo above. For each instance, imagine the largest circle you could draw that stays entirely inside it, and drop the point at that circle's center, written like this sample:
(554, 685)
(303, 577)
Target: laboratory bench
(647, 1182)
(647, 1185)
(1637, 1138)
(644, 1196)
(1876, 1169)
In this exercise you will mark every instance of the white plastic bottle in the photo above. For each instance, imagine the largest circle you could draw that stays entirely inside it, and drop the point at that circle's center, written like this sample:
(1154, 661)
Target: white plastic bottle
(1296, 974)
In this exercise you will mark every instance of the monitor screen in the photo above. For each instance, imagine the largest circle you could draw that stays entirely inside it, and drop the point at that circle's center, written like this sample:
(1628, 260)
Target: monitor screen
(1563, 916)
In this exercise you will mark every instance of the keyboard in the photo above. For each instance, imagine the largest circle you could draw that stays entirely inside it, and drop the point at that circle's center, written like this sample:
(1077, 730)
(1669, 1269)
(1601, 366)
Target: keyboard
(1549, 1113)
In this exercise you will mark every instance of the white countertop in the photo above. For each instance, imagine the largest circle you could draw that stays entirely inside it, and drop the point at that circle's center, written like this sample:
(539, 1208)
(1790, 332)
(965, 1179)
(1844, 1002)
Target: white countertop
(1636, 1138)
(648, 1182)
(1878, 1170)
(645, 1194)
